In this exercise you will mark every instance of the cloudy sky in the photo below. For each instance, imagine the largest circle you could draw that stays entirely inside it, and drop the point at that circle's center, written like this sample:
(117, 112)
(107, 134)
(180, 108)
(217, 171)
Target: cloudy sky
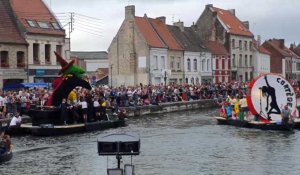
(96, 22)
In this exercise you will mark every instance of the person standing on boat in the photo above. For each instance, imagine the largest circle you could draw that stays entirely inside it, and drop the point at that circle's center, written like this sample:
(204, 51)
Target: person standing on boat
(244, 108)
(64, 111)
(16, 120)
(84, 108)
(269, 91)
(285, 115)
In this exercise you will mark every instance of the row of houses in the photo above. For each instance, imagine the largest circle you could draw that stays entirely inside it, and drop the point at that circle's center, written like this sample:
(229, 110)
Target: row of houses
(217, 48)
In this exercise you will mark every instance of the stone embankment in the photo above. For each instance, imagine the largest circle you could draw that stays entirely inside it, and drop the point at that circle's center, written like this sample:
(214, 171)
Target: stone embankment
(170, 107)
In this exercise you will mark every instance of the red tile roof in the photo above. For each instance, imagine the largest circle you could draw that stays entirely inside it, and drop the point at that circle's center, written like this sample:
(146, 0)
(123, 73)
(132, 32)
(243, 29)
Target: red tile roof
(276, 44)
(263, 50)
(165, 34)
(37, 11)
(216, 48)
(9, 32)
(232, 23)
(148, 32)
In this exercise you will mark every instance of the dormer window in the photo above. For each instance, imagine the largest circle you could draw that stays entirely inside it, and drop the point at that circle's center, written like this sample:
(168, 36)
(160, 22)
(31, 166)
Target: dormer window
(43, 25)
(31, 23)
(55, 25)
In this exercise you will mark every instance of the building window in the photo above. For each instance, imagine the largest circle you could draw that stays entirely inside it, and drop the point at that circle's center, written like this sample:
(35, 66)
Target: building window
(59, 49)
(47, 53)
(223, 64)
(192, 80)
(246, 60)
(233, 61)
(240, 61)
(203, 64)
(178, 64)
(186, 80)
(246, 45)
(251, 61)
(251, 75)
(197, 80)
(233, 43)
(246, 76)
(228, 64)
(240, 44)
(43, 25)
(31, 23)
(217, 63)
(55, 25)
(195, 65)
(20, 59)
(208, 65)
(163, 63)
(36, 53)
(250, 46)
(172, 63)
(188, 64)
(155, 62)
(4, 59)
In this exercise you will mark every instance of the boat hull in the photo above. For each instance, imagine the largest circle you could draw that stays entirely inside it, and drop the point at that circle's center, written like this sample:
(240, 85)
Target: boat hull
(52, 130)
(255, 125)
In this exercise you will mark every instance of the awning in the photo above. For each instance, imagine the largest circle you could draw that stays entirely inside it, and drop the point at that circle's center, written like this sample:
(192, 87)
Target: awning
(25, 85)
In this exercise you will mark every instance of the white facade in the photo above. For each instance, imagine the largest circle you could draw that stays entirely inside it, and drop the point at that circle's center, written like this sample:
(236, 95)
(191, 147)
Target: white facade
(261, 64)
(242, 57)
(205, 67)
(192, 67)
(158, 65)
(41, 41)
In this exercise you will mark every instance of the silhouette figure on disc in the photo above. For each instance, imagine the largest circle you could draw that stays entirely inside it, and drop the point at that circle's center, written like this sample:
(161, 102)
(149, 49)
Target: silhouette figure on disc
(269, 91)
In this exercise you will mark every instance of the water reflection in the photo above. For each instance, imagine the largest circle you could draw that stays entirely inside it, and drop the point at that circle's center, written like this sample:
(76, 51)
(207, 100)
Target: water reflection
(178, 143)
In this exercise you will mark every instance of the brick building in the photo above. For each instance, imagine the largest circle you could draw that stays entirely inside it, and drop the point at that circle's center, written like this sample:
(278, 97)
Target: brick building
(13, 48)
(44, 34)
(142, 51)
(223, 26)
(283, 60)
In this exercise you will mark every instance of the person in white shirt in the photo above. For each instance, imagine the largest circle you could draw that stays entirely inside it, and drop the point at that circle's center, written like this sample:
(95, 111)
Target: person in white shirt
(16, 120)
(84, 107)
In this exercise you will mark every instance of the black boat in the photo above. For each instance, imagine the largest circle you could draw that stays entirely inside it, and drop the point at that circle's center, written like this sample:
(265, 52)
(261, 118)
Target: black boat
(238, 123)
(272, 125)
(56, 130)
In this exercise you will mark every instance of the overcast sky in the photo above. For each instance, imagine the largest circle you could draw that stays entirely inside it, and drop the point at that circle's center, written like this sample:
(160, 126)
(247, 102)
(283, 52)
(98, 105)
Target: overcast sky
(268, 18)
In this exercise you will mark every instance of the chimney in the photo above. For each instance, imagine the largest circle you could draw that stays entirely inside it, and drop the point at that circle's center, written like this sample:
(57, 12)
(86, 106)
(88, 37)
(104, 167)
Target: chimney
(129, 11)
(281, 43)
(180, 25)
(246, 24)
(162, 18)
(292, 46)
(232, 11)
(208, 6)
(258, 41)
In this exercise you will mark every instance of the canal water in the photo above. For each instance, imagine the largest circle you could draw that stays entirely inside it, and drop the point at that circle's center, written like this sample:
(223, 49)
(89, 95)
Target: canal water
(182, 143)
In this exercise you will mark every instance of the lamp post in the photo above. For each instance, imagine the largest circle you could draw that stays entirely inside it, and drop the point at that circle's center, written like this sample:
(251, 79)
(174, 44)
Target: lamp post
(111, 66)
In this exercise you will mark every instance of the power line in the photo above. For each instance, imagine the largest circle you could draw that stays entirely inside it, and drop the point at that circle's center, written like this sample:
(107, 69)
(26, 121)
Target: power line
(88, 22)
(87, 28)
(90, 32)
(89, 17)
(86, 25)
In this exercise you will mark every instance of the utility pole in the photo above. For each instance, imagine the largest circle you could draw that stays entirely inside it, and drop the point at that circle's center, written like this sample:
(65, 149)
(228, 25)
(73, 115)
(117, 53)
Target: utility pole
(71, 27)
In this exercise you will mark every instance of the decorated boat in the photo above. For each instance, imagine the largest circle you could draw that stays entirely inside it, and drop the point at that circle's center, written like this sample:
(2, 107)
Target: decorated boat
(51, 119)
(271, 101)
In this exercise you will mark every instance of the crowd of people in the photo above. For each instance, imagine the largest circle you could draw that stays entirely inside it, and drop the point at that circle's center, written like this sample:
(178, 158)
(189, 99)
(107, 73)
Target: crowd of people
(93, 103)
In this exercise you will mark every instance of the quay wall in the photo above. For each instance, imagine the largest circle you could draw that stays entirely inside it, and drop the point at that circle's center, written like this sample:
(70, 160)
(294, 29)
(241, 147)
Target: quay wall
(170, 107)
